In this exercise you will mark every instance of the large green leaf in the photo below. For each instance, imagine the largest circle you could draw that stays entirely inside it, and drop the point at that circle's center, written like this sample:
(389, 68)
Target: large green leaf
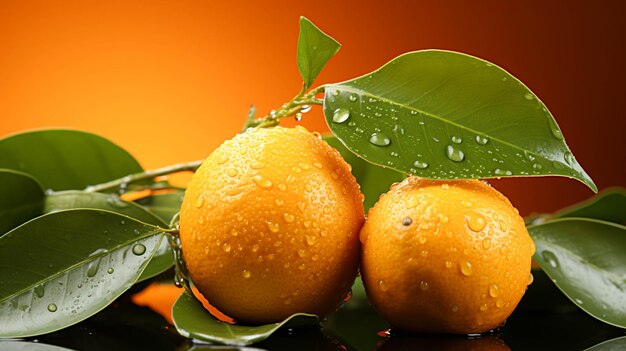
(586, 259)
(374, 180)
(447, 115)
(21, 198)
(166, 206)
(66, 159)
(63, 267)
(29, 346)
(608, 205)
(162, 260)
(617, 344)
(315, 48)
(192, 320)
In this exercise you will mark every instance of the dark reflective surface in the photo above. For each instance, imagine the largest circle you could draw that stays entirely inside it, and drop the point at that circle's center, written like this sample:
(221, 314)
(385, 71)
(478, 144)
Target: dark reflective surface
(543, 321)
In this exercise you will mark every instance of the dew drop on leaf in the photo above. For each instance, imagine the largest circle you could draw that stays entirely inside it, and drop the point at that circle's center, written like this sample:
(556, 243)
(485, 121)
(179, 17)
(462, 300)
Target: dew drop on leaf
(380, 139)
(139, 249)
(454, 154)
(341, 115)
(52, 307)
(481, 140)
(550, 258)
(420, 164)
(456, 139)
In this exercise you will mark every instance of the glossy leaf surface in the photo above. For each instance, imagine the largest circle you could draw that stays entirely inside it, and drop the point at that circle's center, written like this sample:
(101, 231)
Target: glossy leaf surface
(585, 259)
(66, 159)
(617, 344)
(29, 346)
(162, 260)
(166, 206)
(374, 180)
(63, 267)
(21, 198)
(315, 48)
(192, 320)
(446, 115)
(609, 205)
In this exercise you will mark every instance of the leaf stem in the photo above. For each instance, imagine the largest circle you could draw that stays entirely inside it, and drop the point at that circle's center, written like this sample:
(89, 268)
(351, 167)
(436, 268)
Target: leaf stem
(122, 183)
(299, 104)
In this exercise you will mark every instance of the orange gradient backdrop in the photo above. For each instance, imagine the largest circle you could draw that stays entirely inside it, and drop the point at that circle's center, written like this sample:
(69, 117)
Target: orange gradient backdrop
(170, 80)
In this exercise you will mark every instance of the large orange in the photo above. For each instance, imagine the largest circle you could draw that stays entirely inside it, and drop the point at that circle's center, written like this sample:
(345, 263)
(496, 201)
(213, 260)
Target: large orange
(269, 226)
(445, 256)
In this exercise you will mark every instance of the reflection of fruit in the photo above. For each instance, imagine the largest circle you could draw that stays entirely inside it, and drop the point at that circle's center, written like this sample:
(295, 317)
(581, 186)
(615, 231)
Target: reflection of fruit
(447, 343)
(445, 256)
(269, 226)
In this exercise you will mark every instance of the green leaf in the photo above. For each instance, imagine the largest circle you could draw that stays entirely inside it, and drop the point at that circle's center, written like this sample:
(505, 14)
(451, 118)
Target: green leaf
(63, 267)
(617, 344)
(29, 346)
(192, 320)
(585, 259)
(447, 115)
(374, 180)
(166, 206)
(21, 198)
(66, 159)
(609, 205)
(315, 48)
(162, 260)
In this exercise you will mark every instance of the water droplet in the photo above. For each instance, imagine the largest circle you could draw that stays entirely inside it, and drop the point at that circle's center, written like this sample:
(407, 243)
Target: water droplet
(341, 115)
(424, 253)
(279, 202)
(494, 291)
(481, 140)
(449, 264)
(257, 165)
(305, 108)
(445, 186)
(317, 165)
(455, 308)
(262, 182)
(550, 257)
(226, 247)
(335, 92)
(255, 248)
(380, 139)
(531, 278)
(289, 218)
(424, 285)
(282, 187)
(466, 268)
(352, 98)
(504, 79)
(556, 132)
(245, 273)
(569, 158)
(222, 159)
(301, 267)
(475, 221)
(115, 201)
(578, 301)
(486, 243)
(232, 172)
(528, 96)
(499, 303)
(502, 225)
(454, 154)
(502, 172)
(407, 221)
(199, 201)
(139, 249)
(288, 301)
(39, 291)
(301, 253)
(382, 286)
(411, 202)
(310, 240)
(110, 270)
(273, 227)
(52, 307)
(422, 240)
(483, 307)
(93, 267)
(537, 166)
(420, 164)
(456, 140)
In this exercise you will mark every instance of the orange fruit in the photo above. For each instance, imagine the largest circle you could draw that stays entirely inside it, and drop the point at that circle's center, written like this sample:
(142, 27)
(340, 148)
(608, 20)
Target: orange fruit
(445, 256)
(269, 226)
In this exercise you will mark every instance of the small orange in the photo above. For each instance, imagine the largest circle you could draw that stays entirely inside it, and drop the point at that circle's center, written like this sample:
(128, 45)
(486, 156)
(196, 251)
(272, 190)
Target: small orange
(445, 256)
(269, 226)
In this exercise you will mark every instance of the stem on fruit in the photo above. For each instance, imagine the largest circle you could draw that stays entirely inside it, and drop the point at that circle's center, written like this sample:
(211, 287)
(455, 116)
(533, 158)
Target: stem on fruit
(122, 183)
(299, 104)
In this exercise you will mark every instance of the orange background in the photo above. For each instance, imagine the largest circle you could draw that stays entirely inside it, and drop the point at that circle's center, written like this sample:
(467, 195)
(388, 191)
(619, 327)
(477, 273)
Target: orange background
(170, 80)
